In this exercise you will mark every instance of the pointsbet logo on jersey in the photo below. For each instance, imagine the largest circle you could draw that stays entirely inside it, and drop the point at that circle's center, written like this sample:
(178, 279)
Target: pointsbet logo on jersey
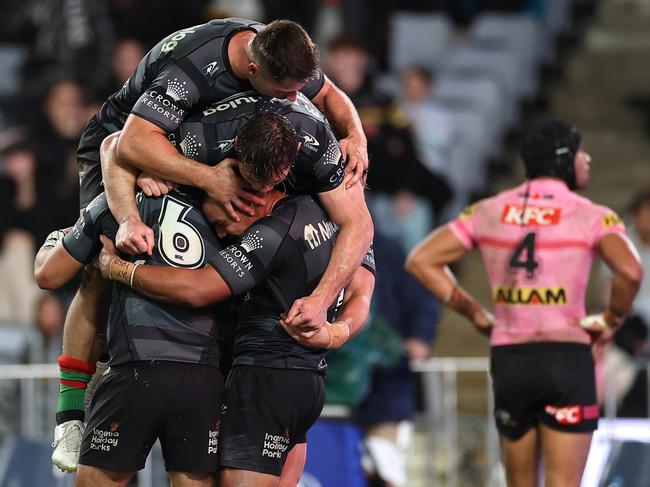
(530, 215)
(530, 295)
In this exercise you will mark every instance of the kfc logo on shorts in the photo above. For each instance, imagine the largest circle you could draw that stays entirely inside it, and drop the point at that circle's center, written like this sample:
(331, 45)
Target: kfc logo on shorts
(530, 215)
(567, 415)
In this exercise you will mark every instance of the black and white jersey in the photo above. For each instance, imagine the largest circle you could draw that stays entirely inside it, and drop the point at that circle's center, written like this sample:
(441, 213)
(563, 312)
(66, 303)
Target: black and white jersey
(140, 328)
(209, 137)
(187, 69)
(279, 259)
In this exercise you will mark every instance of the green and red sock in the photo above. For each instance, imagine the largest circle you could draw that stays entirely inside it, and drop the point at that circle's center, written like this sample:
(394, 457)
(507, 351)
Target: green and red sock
(74, 377)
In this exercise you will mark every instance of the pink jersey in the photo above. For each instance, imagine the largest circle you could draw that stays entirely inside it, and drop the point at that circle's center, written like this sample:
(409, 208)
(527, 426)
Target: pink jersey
(538, 254)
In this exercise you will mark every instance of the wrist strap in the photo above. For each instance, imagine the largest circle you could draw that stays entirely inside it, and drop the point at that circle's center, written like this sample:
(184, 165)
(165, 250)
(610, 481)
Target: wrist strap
(121, 271)
(339, 332)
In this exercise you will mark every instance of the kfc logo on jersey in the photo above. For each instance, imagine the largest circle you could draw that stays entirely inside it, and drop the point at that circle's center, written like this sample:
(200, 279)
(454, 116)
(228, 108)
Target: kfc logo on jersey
(530, 215)
(566, 415)
(310, 142)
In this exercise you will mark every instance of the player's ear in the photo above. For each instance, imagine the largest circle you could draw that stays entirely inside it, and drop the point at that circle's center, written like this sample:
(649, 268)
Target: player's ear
(253, 68)
(299, 145)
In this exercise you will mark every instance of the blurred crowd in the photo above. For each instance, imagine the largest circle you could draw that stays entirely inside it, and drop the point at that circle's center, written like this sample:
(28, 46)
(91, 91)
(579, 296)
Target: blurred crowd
(440, 117)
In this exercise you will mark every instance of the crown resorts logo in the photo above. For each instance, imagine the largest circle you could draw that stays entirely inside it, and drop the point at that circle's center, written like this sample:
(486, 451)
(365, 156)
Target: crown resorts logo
(190, 146)
(333, 154)
(176, 90)
(252, 241)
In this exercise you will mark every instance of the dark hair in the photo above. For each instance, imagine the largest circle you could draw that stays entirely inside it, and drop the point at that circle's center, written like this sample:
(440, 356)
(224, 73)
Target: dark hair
(638, 201)
(345, 41)
(420, 71)
(285, 51)
(548, 148)
(267, 146)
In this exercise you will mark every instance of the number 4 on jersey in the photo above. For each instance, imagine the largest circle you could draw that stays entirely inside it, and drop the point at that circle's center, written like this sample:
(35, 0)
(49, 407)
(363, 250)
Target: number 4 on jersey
(517, 261)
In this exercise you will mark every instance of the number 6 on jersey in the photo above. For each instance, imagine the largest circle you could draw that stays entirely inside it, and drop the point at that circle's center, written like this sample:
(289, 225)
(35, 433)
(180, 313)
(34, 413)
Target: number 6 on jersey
(180, 243)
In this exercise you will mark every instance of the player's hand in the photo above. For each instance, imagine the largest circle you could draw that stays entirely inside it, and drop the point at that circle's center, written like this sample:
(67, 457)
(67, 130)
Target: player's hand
(484, 322)
(597, 323)
(354, 149)
(106, 256)
(229, 189)
(153, 185)
(417, 349)
(308, 313)
(312, 339)
(134, 237)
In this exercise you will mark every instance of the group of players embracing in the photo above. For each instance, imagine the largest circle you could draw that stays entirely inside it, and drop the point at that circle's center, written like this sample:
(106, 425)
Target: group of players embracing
(244, 253)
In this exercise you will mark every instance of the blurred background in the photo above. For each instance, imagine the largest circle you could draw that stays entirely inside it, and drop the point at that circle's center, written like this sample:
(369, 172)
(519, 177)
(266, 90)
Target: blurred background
(443, 88)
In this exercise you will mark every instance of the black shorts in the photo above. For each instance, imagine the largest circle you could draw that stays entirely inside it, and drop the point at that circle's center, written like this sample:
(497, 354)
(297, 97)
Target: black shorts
(266, 412)
(137, 403)
(549, 382)
(88, 164)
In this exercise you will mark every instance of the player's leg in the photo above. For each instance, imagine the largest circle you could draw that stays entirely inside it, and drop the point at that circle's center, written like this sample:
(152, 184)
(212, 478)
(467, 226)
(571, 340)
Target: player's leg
(100, 477)
(189, 433)
(294, 466)
(123, 422)
(81, 349)
(565, 456)
(569, 416)
(185, 479)
(87, 312)
(258, 431)
(521, 459)
(232, 477)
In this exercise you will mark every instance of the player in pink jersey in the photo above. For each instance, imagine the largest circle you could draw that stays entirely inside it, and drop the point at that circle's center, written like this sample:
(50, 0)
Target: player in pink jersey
(538, 242)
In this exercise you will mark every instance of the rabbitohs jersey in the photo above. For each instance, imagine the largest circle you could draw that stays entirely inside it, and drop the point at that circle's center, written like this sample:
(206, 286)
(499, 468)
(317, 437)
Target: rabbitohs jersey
(209, 137)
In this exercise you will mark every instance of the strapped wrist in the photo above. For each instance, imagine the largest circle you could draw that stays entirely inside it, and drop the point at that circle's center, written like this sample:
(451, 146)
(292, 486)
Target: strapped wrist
(121, 271)
(339, 333)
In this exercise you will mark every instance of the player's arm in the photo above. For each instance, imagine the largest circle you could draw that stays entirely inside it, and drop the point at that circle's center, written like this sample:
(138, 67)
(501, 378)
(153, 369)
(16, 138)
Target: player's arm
(181, 287)
(133, 236)
(429, 263)
(623, 260)
(54, 266)
(349, 320)
(343, 116)
(347, 208)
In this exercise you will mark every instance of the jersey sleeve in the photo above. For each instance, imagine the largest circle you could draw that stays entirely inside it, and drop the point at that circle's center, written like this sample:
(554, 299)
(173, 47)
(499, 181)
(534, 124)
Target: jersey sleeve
(464, 227)
(168, 98)
(250, 260)
(369, 260)
(603, 222)
(82, 242)
(329, 169)
(314, 85)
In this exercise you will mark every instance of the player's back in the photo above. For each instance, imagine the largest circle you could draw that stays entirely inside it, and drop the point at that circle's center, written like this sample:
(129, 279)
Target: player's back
(537, 242)
(209, 136)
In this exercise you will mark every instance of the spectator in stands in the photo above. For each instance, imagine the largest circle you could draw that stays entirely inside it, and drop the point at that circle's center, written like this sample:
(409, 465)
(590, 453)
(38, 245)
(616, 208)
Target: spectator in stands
(127, 54)
(401, 302)
(415, 193)
(432, 123)
(54, 138)
(17, 200)
(640, 235)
